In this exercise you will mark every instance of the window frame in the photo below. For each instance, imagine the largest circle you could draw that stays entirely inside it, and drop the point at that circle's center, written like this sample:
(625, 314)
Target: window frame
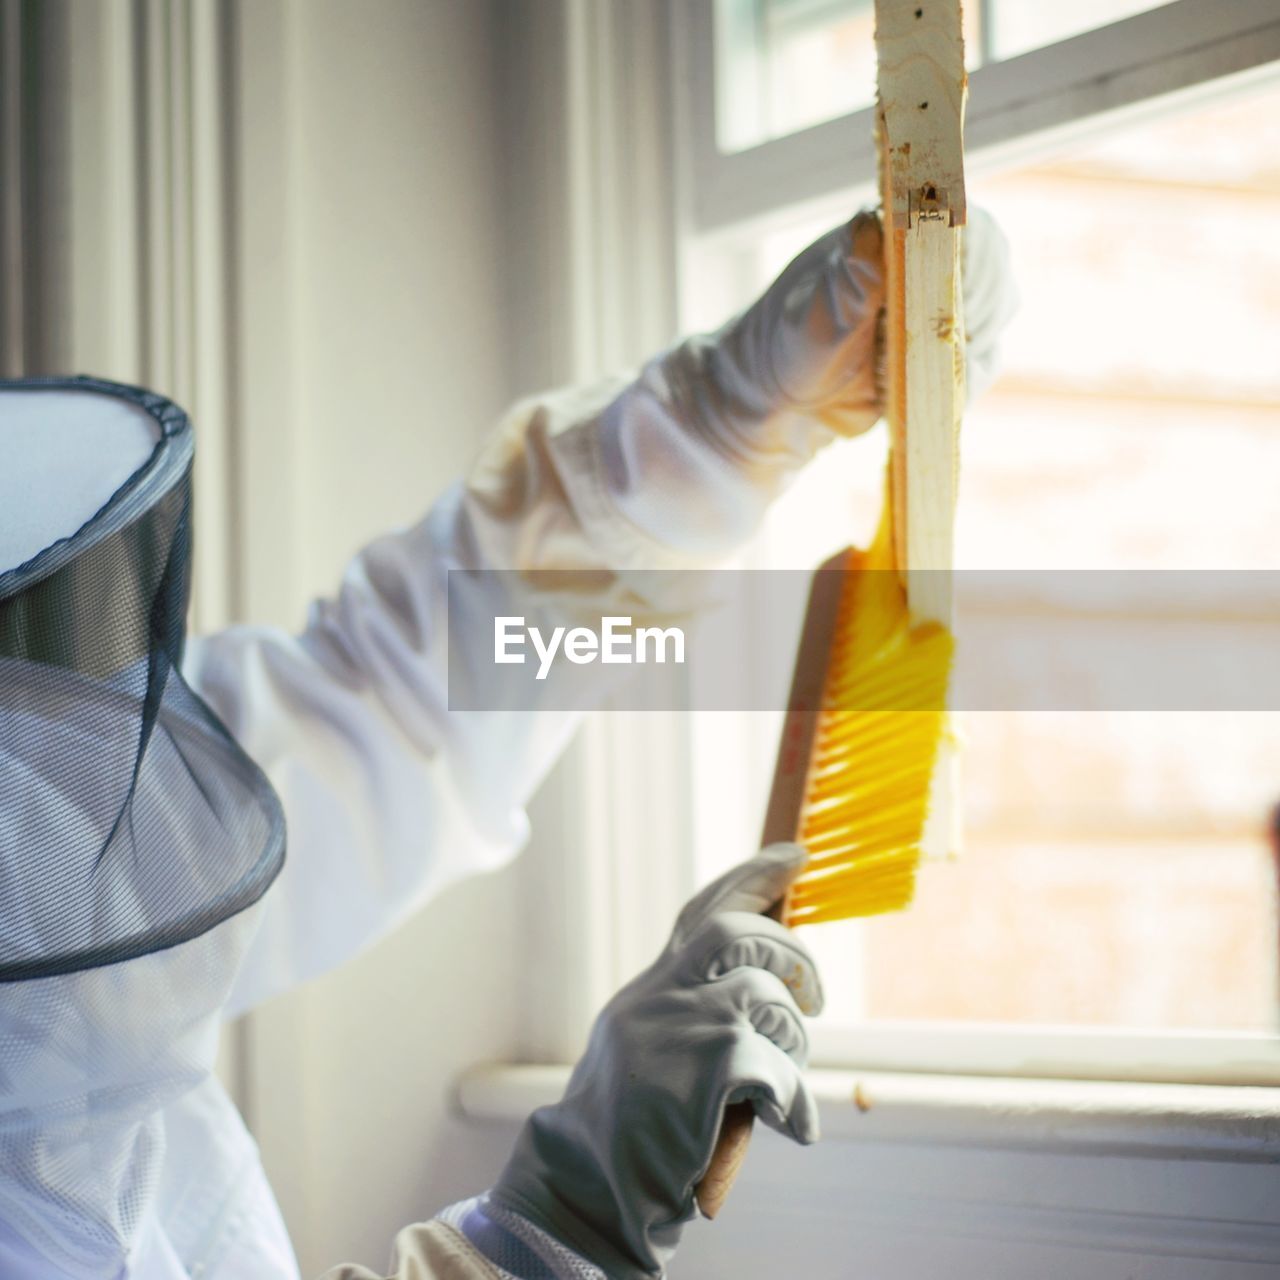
(1017, 108)
(1014, 103)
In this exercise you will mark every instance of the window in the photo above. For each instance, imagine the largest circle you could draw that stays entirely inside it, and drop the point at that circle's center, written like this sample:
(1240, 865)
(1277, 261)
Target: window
(783, 65)
(1016, 26)
(1117, 883)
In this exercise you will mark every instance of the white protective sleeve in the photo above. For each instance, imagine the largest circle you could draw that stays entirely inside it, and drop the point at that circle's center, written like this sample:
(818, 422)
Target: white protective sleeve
(388, 795)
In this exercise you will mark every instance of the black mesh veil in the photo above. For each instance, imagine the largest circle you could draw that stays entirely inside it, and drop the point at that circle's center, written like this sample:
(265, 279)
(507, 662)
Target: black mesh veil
(130, 820)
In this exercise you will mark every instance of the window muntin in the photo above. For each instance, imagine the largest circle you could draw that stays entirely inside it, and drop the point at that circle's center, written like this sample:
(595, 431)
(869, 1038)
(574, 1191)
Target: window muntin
(785, 65)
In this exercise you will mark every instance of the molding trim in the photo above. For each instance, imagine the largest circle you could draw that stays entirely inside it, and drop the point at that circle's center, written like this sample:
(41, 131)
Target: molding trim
(623, 267)
(1220, 1123)
(592, 239)
(1106, 1054)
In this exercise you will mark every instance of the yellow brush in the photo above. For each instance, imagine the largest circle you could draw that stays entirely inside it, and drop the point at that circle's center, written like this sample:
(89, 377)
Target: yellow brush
(856, 765)
(864, 773)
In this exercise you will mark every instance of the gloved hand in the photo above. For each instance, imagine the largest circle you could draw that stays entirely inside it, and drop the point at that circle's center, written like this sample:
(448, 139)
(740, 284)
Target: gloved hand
(803, 358)
(610, 1169)
(798, 366)
(741, 411)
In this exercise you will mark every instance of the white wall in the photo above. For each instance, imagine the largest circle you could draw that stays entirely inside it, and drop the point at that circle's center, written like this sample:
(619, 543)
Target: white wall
(401, 344)
(867, 1210)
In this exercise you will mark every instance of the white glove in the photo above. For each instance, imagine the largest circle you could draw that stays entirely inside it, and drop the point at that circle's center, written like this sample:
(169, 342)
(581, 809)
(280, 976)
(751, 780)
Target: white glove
(990, 298)
(804, 354)
(741, 411)
(798, 366)
(610, 1169)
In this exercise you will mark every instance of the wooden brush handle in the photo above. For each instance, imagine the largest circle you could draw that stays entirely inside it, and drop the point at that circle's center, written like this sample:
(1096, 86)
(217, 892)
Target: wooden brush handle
(731, 1146)
(804, 702)
(730, 1151)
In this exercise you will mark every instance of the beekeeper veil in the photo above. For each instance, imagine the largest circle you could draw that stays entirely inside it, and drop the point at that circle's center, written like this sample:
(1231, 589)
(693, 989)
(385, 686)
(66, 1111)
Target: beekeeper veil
(135, 836)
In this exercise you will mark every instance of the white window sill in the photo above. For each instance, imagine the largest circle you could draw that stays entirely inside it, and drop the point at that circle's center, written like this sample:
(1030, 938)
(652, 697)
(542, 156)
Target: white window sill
(1213, 1122)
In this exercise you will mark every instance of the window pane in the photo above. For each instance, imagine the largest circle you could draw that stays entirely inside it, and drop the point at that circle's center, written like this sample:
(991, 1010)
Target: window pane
(783, 65)
(1118, 869)
(1020, 25)
(1120, 879)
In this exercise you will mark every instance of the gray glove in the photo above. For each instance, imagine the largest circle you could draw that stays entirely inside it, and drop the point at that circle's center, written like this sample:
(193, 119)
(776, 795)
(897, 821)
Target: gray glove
(610, 1169)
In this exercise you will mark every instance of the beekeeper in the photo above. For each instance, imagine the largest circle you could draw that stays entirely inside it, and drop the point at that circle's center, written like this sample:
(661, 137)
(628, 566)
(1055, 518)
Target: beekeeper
(146, 785)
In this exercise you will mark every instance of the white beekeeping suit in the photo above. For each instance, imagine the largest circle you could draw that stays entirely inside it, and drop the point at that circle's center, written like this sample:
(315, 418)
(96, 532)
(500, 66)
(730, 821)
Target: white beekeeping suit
(136, 842)
(146, 786)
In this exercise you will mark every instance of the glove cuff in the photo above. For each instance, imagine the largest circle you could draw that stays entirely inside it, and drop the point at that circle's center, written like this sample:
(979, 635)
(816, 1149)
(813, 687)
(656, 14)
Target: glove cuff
(517, 1248)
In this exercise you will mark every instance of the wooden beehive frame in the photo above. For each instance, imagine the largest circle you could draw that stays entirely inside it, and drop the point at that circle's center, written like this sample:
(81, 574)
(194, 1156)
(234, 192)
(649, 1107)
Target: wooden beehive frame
(920, 118)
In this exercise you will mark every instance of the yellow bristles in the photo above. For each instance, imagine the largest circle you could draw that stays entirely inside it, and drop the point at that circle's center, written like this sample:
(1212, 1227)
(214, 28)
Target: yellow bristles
(866, 795)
